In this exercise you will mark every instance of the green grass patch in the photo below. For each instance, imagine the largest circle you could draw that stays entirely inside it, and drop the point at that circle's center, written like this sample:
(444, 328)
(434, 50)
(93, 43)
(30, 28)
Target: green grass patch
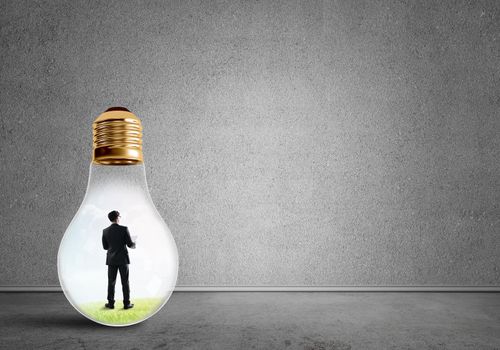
(119, 316)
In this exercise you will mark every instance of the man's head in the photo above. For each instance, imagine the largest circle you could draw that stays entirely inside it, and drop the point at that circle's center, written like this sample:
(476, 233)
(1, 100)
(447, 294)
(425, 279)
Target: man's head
(114, 216)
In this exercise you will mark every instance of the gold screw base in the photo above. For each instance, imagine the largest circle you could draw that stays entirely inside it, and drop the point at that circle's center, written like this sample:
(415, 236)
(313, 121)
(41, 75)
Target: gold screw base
(117, 138)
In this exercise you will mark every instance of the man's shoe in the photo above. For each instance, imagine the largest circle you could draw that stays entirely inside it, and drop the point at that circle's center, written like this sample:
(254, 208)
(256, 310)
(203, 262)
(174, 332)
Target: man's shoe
(109, 306)
(129, 306)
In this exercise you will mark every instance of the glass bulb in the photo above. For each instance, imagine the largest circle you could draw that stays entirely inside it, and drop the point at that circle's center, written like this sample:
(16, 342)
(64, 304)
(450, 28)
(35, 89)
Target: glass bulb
(117, 181)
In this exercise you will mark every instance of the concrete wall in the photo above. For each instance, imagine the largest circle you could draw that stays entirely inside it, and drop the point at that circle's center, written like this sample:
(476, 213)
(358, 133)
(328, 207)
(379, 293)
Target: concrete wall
(286, 143)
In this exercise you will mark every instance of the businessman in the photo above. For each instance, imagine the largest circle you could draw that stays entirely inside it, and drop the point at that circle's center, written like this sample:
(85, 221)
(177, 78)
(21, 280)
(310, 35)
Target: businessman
(116, 239)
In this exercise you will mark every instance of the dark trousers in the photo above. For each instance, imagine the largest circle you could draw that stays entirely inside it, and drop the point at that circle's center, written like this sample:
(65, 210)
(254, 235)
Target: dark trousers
(112, 272)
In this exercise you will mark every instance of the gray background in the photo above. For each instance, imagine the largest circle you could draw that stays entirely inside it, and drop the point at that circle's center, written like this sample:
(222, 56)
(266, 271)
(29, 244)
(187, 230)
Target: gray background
(286, 143)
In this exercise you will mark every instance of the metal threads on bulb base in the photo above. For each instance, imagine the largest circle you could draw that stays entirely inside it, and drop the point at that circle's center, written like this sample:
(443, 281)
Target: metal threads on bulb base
(117, 138)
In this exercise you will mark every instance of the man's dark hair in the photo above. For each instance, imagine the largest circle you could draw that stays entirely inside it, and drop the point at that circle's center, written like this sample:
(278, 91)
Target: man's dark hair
(112, 216)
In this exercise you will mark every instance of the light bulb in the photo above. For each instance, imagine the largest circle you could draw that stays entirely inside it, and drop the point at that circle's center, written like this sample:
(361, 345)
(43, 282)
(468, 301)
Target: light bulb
(117, 182)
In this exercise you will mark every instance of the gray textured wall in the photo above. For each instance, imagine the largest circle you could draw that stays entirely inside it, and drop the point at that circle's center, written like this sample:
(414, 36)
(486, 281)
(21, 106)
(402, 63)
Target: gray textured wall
(286, 143)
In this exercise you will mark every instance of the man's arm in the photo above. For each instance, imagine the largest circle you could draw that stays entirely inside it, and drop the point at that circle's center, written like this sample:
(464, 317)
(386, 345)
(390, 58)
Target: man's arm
(128, 240)
(104, 242)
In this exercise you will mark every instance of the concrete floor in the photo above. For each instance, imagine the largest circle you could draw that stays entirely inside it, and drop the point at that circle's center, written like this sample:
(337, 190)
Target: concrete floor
(264, 320)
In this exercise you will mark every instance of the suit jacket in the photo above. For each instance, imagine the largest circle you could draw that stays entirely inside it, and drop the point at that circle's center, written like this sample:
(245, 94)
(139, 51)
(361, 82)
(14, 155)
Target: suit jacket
(116, 239)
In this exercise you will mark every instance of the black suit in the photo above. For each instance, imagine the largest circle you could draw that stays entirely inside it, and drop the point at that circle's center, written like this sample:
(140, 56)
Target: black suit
(116, 239)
